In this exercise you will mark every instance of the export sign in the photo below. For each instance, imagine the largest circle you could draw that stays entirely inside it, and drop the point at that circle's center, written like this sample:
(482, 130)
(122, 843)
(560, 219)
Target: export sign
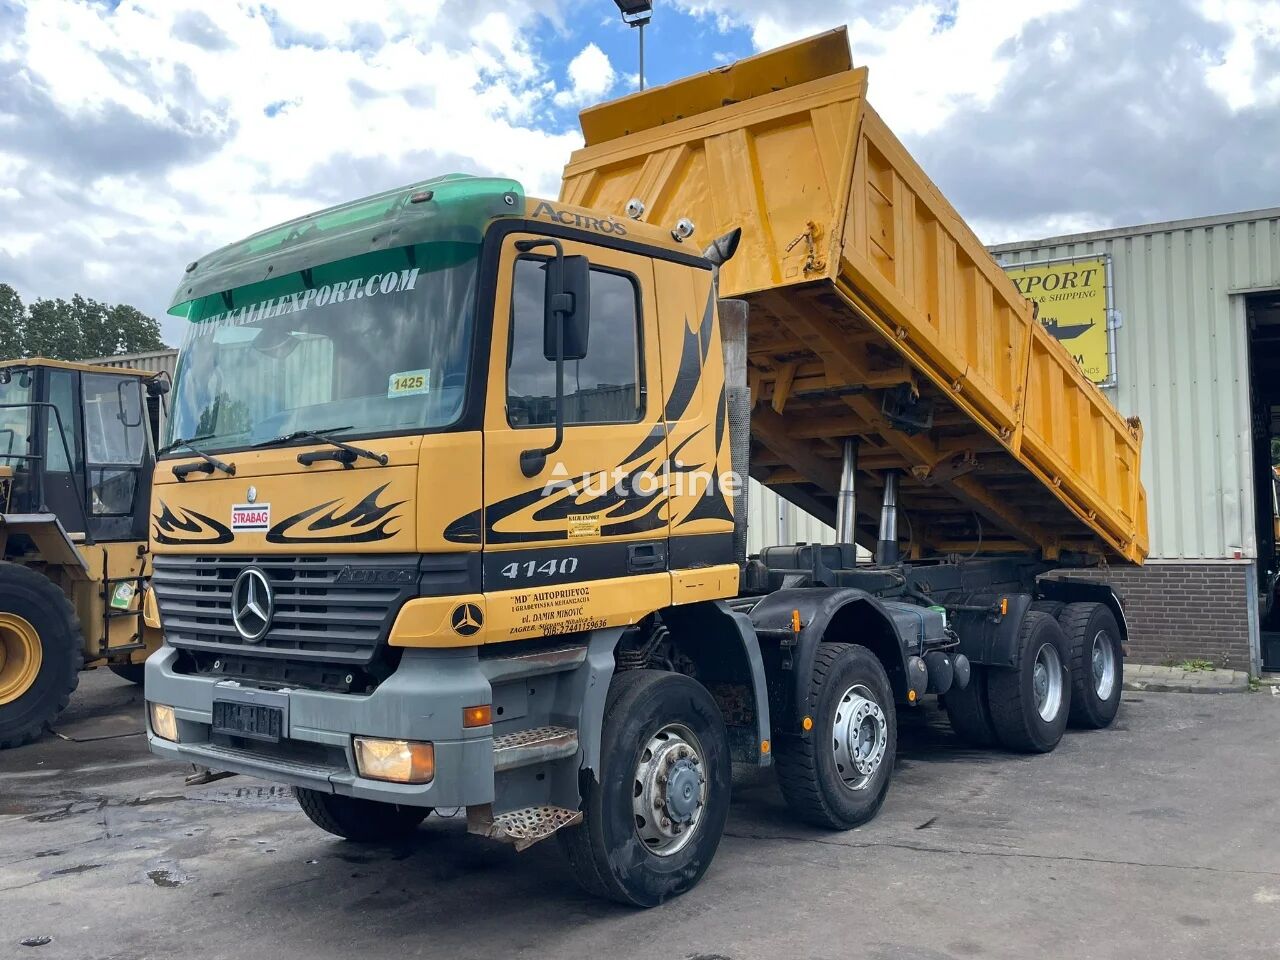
(1072, 298)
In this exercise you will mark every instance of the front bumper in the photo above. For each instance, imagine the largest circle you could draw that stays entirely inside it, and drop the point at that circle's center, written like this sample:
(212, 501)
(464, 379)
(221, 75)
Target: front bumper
(423, 700)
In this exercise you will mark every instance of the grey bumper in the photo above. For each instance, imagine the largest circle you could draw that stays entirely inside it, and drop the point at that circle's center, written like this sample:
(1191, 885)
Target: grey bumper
(422, 700)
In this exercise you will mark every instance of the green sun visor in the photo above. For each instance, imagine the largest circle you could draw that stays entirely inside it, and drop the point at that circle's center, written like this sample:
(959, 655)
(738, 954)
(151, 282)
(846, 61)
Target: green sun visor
(454, 208)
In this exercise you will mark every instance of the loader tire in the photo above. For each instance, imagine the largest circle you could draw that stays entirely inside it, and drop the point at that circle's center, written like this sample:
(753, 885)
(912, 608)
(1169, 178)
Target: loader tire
(838, 777)
(357, 819)
(1030, 701)
(1097, 663)
(654, 816)
(41, 653)
(133, 672)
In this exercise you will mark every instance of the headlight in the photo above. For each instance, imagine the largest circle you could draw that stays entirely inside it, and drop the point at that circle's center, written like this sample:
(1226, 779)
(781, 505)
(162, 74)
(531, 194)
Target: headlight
(401, 761)
(164, 722)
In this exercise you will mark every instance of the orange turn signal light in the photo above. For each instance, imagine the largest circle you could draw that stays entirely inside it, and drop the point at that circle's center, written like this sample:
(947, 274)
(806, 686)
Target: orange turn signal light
(480, 716)
(795, 621)
(1004, 606)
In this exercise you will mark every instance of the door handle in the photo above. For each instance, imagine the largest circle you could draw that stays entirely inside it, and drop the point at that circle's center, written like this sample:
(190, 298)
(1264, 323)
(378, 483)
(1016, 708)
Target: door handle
(646, 556)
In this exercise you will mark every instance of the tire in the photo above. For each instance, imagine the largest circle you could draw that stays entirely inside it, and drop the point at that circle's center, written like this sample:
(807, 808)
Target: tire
(818, 781)
(612, 854)
(1052, 607)
(1011, 693)
(133, 672)
(34, 606)
(359, 820)
(969, 712)
(1094, 702)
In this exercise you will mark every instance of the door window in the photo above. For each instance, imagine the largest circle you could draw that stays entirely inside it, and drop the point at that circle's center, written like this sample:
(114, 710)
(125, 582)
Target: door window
(602, 387)
(115, 428)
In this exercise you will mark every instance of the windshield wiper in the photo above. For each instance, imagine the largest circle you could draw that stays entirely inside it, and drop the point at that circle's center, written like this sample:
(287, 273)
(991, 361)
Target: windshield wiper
(210, 464)
(345, 453)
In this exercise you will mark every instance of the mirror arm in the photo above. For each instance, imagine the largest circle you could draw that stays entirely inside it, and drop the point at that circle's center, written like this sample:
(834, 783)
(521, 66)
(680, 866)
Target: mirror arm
(533, 461)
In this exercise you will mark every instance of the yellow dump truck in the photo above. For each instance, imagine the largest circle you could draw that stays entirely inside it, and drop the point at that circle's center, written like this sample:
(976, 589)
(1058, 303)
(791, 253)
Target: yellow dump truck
(76, 460)
(455, 511)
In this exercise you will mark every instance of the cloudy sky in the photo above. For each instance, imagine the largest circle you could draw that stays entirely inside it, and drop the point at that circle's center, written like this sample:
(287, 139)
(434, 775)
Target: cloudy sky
(136, 135)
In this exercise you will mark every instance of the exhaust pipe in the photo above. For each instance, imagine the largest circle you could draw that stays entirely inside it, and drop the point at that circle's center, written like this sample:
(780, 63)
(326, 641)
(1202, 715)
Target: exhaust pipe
(887, 548)
(733, 340)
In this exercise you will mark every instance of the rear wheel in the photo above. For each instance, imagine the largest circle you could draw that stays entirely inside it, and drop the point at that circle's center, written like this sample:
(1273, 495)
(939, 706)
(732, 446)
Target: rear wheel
(363, 821)
(653, 819)
(133, 672)
(1029, 703)
(969, 713)
(41, 653)
(1097, 663)
(839, 775)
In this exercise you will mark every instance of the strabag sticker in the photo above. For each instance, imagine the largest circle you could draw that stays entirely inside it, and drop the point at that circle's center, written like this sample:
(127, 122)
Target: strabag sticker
(409, 383)
(251, 516)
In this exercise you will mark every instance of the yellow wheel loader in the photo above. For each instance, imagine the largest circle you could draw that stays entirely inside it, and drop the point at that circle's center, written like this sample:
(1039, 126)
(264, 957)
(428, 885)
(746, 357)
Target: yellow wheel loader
(76, 457)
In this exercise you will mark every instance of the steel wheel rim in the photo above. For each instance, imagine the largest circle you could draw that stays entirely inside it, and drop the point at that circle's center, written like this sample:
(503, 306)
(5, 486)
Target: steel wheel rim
(1046, 682)
(669, 790)
(20, 656)
(859, 737)
(1103, 661)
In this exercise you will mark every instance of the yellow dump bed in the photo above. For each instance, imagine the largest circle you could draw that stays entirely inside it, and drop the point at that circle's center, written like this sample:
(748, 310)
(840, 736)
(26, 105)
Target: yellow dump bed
(875, 312)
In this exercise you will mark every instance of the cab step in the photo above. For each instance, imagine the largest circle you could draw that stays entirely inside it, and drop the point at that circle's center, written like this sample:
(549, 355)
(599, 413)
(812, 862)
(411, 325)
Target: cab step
(521, 828)
(537, 745)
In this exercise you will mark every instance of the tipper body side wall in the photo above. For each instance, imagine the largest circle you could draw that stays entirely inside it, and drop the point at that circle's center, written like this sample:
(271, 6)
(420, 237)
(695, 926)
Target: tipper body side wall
(876, 313)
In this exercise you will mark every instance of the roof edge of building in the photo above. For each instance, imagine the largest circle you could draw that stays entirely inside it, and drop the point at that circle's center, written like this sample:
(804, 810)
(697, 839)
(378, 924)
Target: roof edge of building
(1114, 233)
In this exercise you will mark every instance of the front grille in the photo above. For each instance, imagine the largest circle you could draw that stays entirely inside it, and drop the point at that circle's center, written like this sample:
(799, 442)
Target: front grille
(334, 610)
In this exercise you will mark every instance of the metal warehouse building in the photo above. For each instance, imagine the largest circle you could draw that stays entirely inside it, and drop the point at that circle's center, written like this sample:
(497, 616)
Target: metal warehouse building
(1196, 339)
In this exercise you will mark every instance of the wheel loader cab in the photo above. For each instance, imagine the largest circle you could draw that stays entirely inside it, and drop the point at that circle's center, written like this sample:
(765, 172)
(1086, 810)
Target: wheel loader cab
(76, 442)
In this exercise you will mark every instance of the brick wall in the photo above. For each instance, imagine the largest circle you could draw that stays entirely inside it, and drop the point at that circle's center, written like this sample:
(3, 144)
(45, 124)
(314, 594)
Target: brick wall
(1183, 611)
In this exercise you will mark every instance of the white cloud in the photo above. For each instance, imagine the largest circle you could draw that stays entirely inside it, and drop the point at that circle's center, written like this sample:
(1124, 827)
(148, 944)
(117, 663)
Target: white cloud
(592, 77)
(165, 128)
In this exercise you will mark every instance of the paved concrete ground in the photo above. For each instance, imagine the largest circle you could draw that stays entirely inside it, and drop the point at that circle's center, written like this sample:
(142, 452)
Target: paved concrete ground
(1147, 677)
(1157, 838)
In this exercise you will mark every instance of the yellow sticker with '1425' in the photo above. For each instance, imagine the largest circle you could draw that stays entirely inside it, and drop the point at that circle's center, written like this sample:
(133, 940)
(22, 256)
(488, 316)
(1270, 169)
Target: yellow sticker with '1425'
(408, 383)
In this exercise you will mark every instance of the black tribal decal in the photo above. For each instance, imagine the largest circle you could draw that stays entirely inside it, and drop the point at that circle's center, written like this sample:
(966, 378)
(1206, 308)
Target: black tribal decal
(366, 522)
(169, 526)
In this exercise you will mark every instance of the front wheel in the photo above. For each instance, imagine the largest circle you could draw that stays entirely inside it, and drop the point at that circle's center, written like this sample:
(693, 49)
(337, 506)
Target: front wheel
(653, 819)
(363, 821)
(838, 776)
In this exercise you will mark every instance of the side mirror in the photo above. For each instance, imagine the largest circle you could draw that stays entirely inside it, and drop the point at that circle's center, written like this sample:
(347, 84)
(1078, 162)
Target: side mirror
(124, 389)
(158, 386)
(569, 296)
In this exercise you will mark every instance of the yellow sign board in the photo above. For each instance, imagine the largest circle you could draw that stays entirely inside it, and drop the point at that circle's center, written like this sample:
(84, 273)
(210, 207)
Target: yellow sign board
(1073, 307)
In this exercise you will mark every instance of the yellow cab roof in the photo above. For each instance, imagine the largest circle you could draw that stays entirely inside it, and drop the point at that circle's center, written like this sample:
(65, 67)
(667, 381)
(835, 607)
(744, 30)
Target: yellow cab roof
(72, 365)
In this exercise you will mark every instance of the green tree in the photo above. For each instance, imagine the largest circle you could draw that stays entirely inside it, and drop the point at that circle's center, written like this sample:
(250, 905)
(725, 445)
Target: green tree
(12, 315)
(73, 329)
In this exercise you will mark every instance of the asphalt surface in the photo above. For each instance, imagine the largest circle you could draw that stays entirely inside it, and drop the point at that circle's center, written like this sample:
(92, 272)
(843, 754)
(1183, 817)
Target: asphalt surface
(1157, 838)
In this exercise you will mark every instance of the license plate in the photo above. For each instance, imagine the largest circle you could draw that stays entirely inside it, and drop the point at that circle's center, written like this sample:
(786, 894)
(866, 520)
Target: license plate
(248, 720)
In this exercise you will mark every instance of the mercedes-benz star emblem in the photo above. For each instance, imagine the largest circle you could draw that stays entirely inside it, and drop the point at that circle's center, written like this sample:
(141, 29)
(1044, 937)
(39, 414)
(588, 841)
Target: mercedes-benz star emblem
(252, 604)
(252, 495)
(466, 619)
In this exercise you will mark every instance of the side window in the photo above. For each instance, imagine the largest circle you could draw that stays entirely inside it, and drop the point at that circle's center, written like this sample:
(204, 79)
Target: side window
(62, 394)
(602, 387)
(115, 426)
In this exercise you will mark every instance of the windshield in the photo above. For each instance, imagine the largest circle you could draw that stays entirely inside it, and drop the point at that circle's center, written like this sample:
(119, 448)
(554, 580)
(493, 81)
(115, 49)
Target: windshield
(376, 343)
